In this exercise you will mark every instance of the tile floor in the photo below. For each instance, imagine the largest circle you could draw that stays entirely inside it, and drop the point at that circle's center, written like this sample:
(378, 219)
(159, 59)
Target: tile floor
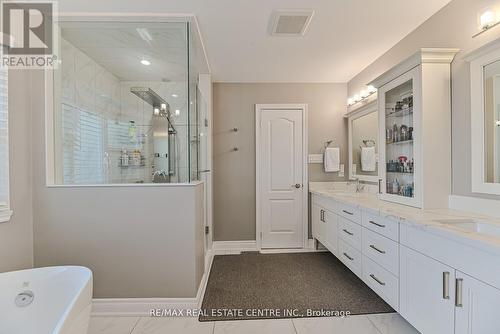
(358, 324)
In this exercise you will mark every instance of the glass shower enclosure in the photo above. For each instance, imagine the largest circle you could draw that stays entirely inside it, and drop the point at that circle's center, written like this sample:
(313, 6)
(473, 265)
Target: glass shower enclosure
(125, 104)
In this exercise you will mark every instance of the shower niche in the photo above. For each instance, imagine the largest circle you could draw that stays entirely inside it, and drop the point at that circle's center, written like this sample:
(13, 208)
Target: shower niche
(125, 104)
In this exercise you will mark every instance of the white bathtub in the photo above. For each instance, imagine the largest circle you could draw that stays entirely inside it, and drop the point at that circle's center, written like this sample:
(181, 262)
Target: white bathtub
(61, 299)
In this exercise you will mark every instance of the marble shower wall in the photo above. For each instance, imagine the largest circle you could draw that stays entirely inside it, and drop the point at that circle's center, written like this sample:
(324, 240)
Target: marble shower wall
(88, 86)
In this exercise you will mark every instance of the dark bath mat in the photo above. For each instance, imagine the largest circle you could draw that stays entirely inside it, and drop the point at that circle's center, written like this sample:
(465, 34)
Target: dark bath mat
(271, 286)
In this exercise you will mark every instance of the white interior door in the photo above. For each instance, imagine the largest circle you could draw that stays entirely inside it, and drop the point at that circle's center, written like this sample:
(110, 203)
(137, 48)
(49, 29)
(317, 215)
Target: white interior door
(281, 178)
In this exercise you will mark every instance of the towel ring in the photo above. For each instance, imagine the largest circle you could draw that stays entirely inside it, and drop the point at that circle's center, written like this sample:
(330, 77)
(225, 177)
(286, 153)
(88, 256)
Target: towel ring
(369, 141)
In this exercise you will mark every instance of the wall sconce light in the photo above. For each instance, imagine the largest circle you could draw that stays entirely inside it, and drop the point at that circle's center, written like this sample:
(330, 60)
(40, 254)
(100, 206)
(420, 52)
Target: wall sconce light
(364, 94)
(497, 123)
(487, 20)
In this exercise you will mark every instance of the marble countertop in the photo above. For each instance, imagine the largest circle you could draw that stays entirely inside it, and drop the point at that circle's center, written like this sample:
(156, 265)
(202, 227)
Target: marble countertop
(418, 218)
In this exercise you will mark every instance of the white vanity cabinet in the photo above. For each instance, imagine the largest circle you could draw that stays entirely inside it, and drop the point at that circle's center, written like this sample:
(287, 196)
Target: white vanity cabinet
(439, 284)
(477, 307)
(436, 298)
(324, 223)
(318, 223)
(426, 291)
(414, 103)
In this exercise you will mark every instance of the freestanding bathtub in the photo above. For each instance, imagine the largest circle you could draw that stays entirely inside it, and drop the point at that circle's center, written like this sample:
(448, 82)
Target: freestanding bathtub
(52, 300)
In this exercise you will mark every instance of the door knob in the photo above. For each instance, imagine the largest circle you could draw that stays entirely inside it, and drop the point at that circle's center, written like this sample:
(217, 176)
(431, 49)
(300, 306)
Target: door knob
(297, 185)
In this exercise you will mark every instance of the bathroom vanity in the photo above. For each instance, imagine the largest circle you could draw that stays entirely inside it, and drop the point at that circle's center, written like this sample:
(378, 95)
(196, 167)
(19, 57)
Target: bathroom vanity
(438, 268)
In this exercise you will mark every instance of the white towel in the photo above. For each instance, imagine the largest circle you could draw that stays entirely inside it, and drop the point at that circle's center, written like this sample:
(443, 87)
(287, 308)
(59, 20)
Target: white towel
(332, 159)
(368, 159)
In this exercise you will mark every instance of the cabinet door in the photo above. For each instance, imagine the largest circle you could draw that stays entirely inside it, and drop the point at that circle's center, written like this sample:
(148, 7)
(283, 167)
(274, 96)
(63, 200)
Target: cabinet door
(318, 223)
(331, 232)
(400, 130)
(477, 306)
(426, 293)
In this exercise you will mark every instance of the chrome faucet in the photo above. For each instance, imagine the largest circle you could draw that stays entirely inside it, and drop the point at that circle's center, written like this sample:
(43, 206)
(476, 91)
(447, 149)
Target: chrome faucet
(359, 186)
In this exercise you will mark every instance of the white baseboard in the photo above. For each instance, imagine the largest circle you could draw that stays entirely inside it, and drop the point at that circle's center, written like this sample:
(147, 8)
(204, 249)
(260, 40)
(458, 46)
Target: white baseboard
(291, 250)
(141, 307)
(477, 205)
(234, 247)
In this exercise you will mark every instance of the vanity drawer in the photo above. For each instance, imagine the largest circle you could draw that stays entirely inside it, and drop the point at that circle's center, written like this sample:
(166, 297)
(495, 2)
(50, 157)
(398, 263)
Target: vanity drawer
(350, 212)
(385, 226)
(350, 257)
(382, 282)
(381, 250)
(350, 232)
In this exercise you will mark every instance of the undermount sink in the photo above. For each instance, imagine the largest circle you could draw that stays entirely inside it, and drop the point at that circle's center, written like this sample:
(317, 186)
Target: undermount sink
(471, 225)
(344, 192)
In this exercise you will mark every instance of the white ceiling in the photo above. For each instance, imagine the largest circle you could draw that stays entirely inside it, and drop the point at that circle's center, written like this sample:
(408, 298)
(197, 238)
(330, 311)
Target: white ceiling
(343, 38)
(119, 48)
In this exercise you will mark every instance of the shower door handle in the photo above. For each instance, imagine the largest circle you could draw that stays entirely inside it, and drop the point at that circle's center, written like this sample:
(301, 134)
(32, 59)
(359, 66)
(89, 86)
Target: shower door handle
(204, 171)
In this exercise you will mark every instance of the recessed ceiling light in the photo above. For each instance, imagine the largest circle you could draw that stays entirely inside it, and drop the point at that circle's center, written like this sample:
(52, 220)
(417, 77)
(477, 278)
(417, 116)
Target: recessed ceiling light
(145, 62)
(175, 95)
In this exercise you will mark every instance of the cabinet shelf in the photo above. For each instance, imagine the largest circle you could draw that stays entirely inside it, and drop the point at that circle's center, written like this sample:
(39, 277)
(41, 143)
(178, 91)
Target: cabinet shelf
(406, 173)
(402, 142)
(399, 113)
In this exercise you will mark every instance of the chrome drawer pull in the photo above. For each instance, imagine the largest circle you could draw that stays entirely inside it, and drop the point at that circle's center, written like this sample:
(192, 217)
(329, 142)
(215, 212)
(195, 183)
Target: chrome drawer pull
(376, 224)
(459, 283)
(378, 250)
(346, 231)
(377, 280)
(347, 256)
(349, 213)
(446, 285)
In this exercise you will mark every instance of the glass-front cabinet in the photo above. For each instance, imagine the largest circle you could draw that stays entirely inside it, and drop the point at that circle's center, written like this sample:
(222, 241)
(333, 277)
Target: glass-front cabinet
(414, 103)
(399, 112)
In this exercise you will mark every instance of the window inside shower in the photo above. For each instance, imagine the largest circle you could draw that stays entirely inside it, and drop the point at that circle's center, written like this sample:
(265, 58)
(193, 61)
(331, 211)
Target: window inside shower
(125, 104)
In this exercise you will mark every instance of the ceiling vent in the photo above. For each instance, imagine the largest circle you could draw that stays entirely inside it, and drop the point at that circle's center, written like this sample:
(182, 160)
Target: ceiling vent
(290, 22)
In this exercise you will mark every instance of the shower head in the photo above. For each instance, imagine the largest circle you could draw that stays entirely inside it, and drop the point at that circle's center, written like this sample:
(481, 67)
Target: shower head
(148, 95)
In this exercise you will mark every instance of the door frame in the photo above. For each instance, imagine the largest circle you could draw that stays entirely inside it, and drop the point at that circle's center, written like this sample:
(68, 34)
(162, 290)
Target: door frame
(305, 181)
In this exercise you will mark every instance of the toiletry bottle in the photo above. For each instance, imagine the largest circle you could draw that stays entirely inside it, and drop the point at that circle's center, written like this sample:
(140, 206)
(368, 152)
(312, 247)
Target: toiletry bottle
(395, 186)
(395, 133)
(124, 158)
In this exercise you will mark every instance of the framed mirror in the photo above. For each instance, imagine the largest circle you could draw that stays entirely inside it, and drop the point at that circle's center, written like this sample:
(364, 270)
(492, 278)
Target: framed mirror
(485, 119)
(363, 143)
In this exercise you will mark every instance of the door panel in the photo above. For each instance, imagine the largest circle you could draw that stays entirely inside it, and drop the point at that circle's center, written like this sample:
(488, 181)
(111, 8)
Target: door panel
(478, 313)
(424, 285)
(281, 168)
(332, 238)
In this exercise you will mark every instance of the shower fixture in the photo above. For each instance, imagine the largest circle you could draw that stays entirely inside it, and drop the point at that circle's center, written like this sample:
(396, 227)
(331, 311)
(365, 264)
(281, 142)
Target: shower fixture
(161, 108)
(148, 95)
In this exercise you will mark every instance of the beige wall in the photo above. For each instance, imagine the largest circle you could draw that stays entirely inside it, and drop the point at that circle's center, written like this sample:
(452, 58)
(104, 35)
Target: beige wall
(234, 172)
(139, 241)
(453, 26)
(16, 236)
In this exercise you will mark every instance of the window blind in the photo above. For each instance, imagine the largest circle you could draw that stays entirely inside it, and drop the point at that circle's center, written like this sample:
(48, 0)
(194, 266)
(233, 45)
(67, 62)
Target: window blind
(4, 140)
(83, 146)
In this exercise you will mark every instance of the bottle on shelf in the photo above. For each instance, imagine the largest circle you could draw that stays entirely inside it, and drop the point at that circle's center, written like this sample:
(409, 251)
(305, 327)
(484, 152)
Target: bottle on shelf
(124, 158)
